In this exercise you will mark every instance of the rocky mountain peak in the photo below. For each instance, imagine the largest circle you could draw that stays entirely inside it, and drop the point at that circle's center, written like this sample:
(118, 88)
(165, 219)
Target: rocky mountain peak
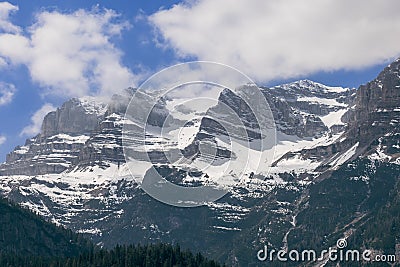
(76, 116)
(377, 109)
(310, 87)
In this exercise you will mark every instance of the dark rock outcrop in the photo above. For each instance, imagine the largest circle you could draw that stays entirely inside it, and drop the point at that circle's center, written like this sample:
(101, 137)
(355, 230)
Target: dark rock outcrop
(377, 109)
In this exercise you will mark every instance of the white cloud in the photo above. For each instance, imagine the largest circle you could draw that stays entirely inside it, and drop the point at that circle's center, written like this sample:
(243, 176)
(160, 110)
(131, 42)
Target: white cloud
(270, 39)
(3, 139)
(36, 120)
(72, 54)
(7, 91)
(3, 63)
(5, 10)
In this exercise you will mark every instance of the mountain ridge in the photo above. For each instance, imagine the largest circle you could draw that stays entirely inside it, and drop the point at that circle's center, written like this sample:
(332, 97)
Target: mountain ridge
(324, 137)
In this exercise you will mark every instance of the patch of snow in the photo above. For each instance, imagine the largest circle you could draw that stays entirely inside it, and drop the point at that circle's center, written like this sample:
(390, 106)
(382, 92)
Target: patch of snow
(333, 118)
(227, 228)
(362, 178)
(65, 138)
(94, 231)
(22, 150)
(344, 157)
(322, 101)
(379, 153)
(92, 105)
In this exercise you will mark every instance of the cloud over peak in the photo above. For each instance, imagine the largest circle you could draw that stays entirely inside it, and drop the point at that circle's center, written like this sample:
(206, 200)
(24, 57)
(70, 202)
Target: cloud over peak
(270, 39)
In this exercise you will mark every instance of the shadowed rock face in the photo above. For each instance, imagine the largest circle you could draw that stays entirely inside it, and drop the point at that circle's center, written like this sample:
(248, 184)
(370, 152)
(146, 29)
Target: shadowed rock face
(42, 155)
(82, 131)
(76, 116)
(63, 134)
(372, 121)
(378, 105)
(297, 106)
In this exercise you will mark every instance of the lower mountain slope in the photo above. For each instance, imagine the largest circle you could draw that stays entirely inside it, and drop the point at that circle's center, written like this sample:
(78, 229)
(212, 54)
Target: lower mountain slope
(25, 233)
(28, 240)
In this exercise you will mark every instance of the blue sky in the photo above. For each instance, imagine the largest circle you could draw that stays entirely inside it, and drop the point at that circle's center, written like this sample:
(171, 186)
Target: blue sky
(51, 51)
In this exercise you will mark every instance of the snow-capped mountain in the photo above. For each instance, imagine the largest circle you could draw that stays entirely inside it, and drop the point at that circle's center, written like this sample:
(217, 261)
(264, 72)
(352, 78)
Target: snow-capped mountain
(74, 172)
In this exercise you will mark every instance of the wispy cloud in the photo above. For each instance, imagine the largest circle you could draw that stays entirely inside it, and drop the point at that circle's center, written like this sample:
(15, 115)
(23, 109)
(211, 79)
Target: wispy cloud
(3, 139)
(70, 54)
(5, 25)
(7, 91)
(271, 39)
(36, 120)
(3, 63)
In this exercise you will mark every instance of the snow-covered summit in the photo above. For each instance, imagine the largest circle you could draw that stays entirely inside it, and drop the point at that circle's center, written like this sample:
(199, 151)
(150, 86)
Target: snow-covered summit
(92, 105)
(312, 86)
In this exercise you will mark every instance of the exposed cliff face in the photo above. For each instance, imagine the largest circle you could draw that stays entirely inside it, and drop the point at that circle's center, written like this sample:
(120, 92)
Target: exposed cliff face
(104, 145)
(377, 109)
(42, 155)
(302, 108)
(372, 118)
(83, 131)
(57, 147)
(74, 117)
